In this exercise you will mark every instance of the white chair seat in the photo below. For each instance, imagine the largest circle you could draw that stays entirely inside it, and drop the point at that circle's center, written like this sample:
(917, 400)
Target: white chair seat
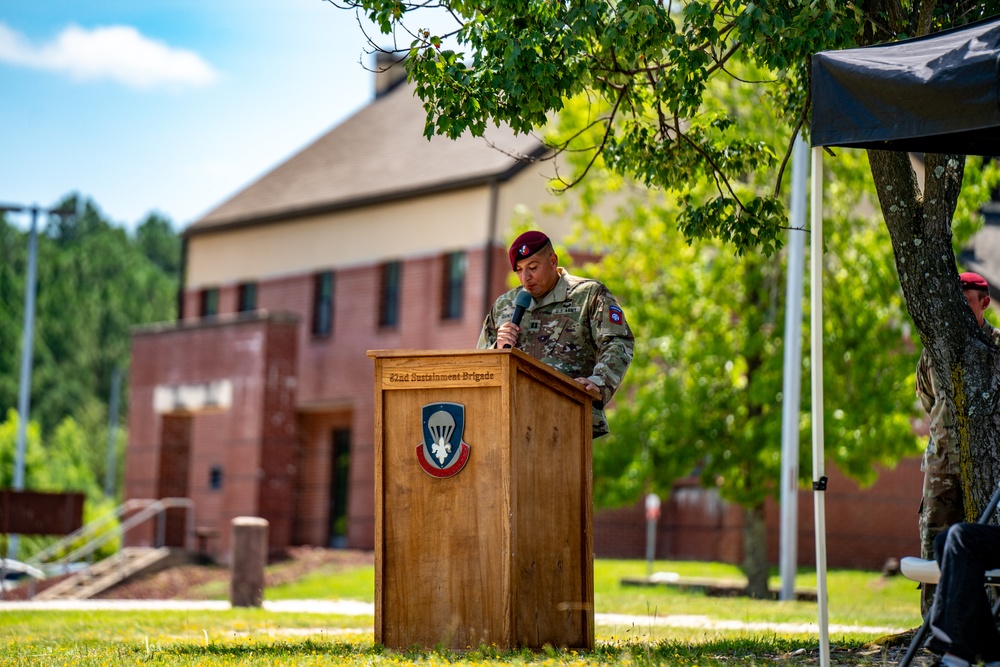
(927, 572)
(918, 569)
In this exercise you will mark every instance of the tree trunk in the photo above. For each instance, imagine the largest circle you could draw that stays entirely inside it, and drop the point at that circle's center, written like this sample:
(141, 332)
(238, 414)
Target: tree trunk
(964, 360)
(755, 551)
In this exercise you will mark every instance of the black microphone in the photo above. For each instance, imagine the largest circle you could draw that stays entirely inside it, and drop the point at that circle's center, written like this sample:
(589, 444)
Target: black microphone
(521, 302)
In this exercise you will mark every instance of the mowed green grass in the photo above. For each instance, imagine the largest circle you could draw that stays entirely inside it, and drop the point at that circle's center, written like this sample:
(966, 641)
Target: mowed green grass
(259, 637)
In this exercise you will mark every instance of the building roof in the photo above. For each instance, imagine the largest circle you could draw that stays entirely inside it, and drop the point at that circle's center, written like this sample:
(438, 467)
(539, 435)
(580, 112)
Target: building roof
(378, 154)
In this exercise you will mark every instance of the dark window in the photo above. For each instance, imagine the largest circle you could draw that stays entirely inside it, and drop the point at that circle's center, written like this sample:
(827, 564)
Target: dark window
(323, 304)
(388, 309)
(209, 302)
(454, 286)
(247, 297)
(339, 478)
(215, 478)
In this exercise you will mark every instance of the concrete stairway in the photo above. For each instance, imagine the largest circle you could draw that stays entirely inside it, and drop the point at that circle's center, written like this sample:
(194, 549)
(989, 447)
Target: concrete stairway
(101, 576)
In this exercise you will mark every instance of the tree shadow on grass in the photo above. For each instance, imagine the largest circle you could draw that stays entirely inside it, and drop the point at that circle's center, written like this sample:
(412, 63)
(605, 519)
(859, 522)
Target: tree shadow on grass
(762, 650)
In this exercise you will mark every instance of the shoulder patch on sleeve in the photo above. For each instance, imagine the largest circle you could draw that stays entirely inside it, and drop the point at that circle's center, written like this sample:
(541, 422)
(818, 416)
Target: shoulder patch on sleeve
(615, 314)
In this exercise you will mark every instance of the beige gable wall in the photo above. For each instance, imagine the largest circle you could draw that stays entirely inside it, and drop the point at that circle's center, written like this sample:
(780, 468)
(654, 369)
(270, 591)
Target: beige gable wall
(529, 189)
(365, 235)
(346, 238)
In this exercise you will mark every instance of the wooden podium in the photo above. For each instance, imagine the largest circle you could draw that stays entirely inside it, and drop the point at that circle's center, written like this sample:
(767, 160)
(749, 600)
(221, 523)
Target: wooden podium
(495, 549)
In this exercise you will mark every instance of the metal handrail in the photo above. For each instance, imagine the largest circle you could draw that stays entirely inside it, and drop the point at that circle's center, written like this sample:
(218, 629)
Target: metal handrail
(128, 506)
(147, 509)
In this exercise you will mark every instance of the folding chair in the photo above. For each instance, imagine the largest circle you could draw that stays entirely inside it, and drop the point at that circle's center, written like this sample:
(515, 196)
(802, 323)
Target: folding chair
(927, 572)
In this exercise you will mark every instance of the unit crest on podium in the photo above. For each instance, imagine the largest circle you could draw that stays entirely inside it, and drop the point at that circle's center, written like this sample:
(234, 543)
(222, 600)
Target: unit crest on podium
(442, 453)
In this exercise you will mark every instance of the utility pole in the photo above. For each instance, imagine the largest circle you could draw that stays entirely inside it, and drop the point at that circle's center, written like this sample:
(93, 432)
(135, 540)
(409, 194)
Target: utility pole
(27, 350)
(792, 382)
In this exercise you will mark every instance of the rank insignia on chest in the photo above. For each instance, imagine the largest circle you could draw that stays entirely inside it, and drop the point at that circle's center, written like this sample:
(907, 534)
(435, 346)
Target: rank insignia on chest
(615, 314)
(442, 453)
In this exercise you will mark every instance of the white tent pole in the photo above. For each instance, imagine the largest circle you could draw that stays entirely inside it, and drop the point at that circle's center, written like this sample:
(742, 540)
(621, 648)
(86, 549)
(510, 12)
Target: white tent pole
(819, 470)
(792, 380)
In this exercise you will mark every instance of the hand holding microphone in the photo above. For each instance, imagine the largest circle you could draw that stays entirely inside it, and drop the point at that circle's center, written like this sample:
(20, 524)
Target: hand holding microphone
(521, 303)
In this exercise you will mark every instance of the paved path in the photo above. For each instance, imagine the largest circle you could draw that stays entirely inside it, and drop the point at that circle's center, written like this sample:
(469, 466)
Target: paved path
(355, 608)
(341, 607)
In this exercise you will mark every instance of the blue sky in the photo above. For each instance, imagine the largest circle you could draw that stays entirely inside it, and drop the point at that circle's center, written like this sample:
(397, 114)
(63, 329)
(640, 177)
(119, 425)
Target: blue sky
(167, 105)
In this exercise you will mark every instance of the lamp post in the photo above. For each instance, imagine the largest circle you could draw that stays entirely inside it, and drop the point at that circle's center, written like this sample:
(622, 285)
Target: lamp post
(27, 345)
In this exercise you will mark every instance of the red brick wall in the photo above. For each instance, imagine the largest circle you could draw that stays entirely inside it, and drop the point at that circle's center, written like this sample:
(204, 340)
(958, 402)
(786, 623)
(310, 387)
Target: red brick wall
(864, 527)
(279, 436)
(693, 525)
(257, 355)
(280, 469)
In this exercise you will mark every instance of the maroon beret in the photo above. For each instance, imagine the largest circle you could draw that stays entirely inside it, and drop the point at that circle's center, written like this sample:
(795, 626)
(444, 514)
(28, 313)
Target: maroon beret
(974, 281)
(526, 245)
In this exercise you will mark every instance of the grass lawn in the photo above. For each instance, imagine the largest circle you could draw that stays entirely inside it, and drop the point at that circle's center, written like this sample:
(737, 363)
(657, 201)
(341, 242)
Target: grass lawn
(259, 637)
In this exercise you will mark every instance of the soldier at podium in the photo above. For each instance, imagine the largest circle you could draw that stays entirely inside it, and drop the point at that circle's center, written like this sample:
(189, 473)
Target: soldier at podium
(573, 324)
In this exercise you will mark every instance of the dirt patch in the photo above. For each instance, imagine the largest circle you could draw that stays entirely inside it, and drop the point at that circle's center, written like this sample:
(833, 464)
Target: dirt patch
(185, 582)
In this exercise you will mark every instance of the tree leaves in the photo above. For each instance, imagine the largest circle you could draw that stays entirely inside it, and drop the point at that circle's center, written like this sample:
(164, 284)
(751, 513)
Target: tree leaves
(647, 66)
(95, 283)
(651, 73)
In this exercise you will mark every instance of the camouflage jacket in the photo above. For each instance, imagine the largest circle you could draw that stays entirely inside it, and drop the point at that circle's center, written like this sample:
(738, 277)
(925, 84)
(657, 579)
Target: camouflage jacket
(938, 457)
(578, 329)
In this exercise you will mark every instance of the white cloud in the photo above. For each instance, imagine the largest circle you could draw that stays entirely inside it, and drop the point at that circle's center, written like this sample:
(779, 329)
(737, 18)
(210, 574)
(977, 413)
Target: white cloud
(119, 53)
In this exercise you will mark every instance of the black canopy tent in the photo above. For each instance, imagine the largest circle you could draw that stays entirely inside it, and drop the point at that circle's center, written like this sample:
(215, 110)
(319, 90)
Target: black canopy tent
(935, 94)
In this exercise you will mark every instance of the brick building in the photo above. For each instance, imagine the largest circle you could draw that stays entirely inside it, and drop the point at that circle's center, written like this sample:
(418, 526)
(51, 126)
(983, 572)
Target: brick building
(864, 527)
(259, 399)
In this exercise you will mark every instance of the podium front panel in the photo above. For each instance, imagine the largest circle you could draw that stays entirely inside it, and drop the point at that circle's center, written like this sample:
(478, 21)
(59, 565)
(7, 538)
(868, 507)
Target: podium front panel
(500, 552)
(445, 577)
(553, 561)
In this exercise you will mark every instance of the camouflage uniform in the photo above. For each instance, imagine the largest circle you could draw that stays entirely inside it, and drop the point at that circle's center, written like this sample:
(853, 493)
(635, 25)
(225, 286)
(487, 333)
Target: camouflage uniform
(578, 328)
(941, 503)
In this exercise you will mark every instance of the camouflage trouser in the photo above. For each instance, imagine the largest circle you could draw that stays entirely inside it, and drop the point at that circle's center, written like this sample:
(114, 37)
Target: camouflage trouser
(940, 507)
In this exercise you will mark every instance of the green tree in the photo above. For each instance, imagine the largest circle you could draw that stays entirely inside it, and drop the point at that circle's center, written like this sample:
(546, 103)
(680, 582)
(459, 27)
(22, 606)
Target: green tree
(11, 298)
(646, 65)
(157, 239)
(95, 282)
(704, 394)
(35, 475)
(68, 466)
(61, 464)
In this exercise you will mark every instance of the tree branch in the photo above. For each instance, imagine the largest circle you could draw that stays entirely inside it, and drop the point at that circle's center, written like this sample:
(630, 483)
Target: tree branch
(791, 144)
(597, 153)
